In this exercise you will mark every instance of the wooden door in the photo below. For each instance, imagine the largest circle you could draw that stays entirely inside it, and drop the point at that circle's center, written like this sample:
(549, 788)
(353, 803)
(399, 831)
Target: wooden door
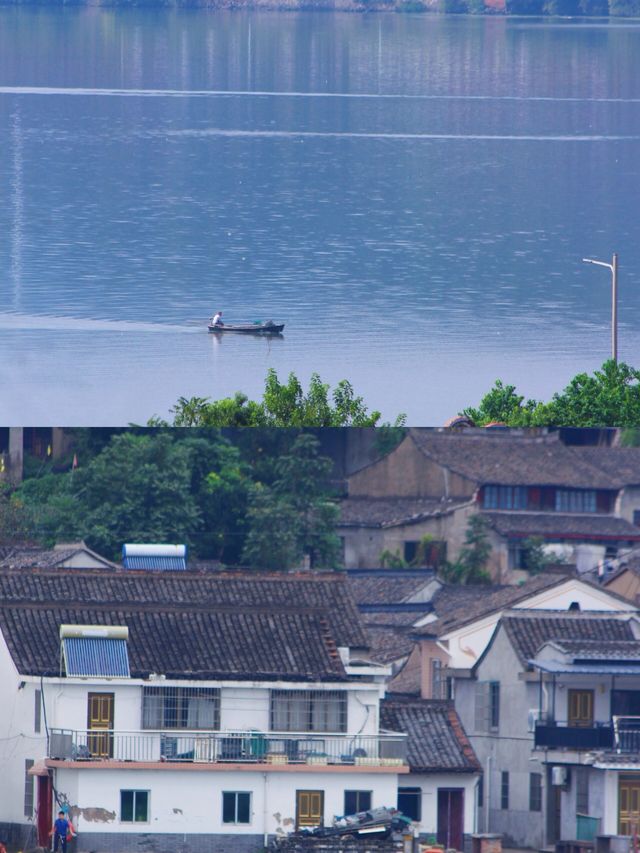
(580, 709)
(309, 808)
(629, 805)
(100, 720)
(451, 817)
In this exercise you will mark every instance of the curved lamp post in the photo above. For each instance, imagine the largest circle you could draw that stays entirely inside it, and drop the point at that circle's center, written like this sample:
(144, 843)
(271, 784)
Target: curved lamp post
(613, 266)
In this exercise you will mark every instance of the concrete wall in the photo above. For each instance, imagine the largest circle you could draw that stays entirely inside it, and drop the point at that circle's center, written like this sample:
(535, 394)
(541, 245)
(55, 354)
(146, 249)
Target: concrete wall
(507, 749)
(364, 545)
(429, 784)
(628, 501)
(190, 801)
(408, 472)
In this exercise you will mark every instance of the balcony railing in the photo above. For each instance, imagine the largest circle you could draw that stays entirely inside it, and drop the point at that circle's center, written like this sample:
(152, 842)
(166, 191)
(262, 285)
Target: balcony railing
(557, 736)
(246, 747)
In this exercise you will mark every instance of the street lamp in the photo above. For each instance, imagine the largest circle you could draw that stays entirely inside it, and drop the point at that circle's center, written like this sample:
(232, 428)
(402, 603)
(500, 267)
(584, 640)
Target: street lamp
(613, 266)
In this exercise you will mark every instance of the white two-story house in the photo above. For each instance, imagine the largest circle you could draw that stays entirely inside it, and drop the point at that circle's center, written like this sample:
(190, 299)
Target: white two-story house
(189, 712)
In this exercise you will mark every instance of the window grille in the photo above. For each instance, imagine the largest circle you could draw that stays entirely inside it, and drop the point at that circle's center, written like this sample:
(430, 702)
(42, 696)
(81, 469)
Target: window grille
(308, 711)
(28, 788)
(180, 708)
(37, 712)
(535, 792)
(575, 500)
(504, 790)
(582, 791)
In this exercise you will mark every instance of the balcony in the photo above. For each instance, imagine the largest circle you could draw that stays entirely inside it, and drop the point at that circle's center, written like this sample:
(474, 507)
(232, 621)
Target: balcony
(562, 736)
(230, 747)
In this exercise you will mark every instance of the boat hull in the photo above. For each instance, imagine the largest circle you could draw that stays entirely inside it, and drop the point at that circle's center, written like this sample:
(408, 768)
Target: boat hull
(249, 328)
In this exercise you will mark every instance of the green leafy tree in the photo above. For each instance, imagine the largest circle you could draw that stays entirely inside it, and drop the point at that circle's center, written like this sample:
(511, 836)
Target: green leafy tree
(609, 397)
(283, 405)
(294, 518)
(471, 565)
(13, 521)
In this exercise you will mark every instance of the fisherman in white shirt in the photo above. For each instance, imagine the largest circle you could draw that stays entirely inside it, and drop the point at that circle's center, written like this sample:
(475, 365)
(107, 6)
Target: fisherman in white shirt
(217, 319)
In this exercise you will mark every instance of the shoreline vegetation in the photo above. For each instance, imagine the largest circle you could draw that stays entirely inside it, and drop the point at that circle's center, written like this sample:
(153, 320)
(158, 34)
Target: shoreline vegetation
(610, 397)
(501, 8)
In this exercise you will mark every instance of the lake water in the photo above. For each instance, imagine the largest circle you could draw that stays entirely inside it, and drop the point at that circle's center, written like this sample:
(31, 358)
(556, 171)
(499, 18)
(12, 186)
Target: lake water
(412, 195)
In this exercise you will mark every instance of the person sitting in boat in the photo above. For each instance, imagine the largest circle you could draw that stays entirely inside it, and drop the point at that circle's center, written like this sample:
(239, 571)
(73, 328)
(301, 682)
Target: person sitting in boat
(217, 319)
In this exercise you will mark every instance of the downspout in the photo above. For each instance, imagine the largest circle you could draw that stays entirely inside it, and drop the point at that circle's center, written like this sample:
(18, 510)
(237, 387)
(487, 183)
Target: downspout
(487, 794)
(265, 811)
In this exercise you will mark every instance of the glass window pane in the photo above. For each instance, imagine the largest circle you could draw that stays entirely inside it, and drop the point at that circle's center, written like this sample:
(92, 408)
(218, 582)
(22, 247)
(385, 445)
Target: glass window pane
(126, 806)
(244, 807)
(410, 802)
(228, 807)
(141, 806)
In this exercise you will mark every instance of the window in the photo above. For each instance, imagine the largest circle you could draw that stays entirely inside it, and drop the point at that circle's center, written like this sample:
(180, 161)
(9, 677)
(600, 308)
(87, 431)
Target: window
(582, 791)
(37, 712)
(504, 790)
(134, 807)
(438, 684)
(28, 788)
(494, 704)
(575, 500)
(180, 708)
(505, 497)
(308, 711)
(236, 807)
(357, 801)
(636, 517)
(535, 792)
(481, 792)
(410, 802)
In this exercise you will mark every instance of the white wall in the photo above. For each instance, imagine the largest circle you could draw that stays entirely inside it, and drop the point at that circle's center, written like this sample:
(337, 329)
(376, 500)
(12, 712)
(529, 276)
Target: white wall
(429, 783)
(191, 801)
(466, 644)
(18, 739)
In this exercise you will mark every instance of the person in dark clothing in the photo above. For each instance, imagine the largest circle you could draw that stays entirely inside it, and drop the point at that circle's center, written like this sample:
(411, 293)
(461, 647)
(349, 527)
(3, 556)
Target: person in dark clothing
(61, 831)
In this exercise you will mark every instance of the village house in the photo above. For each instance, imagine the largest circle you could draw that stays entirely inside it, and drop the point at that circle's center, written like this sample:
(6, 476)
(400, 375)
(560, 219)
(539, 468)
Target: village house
(189, 708)
(197, 711)
(552, 708)
(577, 500)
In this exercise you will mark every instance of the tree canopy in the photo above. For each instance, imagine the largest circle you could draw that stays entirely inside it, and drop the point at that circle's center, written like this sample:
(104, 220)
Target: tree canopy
(282, 405)
(609, 397)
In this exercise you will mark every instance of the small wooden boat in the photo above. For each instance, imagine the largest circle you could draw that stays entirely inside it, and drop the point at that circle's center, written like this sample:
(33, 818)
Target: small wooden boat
(268, 328)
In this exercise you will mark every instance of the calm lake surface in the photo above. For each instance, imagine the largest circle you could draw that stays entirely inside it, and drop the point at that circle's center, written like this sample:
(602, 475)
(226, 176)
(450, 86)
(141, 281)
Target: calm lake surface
(410, 194)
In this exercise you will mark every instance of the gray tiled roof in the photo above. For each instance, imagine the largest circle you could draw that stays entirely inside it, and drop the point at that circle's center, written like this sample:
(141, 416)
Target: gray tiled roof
(436, 740)
(601, 649)
(33, 556)
(388, 586)
(503, 457)
(185, 642)
(528, 630)
(98, 590)
(392, 511)
(457, 605)
(621, 463)
(547, 524)
(388, 643)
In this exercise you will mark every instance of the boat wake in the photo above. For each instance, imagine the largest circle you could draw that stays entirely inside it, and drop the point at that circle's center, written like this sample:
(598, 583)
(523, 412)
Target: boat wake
(40, 322)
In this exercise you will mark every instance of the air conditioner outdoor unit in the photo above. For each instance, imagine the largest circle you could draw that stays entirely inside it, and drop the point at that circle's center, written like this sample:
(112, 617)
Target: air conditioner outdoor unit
(60, 745)
(559, 775)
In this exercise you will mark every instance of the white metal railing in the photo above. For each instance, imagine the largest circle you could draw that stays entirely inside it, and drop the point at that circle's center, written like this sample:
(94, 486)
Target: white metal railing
(251, 747)
(626, 734)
